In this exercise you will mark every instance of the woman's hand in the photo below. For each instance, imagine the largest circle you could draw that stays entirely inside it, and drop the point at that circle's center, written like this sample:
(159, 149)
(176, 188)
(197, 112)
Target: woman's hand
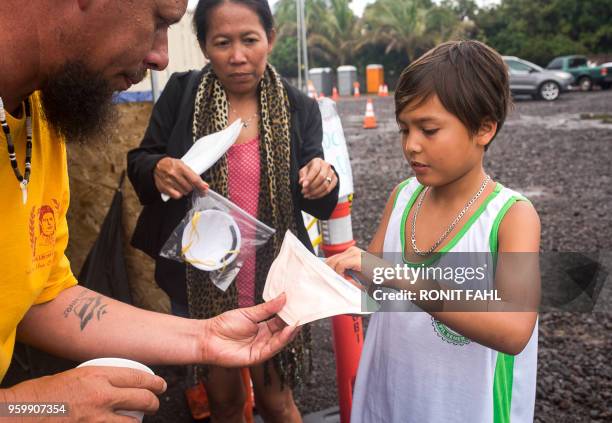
(317, 179)
(176, 179)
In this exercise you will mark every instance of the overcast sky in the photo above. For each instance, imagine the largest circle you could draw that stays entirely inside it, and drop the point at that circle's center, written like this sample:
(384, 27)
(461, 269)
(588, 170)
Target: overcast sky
(359, 5)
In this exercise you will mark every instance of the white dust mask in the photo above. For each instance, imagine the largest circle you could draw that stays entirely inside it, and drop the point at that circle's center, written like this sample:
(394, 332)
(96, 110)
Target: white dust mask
(207, 150)
(314, 291)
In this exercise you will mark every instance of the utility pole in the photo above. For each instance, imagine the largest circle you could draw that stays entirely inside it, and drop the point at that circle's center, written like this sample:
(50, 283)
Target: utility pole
(304, 39)
(299, 43)
(302, 47)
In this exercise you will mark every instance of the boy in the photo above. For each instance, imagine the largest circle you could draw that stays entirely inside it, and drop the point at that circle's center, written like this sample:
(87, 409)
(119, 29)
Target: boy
(438, 365)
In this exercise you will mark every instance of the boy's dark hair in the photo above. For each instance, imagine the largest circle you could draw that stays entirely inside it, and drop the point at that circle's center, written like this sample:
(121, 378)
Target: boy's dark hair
(469, 78)
(204, 7)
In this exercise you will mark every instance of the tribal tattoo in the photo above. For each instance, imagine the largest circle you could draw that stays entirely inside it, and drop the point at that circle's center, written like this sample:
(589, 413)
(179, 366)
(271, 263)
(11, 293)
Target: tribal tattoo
(86, 307)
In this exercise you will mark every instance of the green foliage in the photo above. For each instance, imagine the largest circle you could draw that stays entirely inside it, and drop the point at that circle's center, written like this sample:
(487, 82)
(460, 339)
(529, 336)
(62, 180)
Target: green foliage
(542, 50)
(400, 25)
(538, 30)
(335, 38)
(284, 56)
(392, 32)
(449, 21)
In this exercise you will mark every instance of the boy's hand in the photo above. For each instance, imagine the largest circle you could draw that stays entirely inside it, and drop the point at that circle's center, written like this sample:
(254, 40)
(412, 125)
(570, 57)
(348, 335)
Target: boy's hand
(348, 260)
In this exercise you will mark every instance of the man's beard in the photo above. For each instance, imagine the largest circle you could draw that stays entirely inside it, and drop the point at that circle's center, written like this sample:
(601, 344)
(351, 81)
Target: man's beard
(77, 103)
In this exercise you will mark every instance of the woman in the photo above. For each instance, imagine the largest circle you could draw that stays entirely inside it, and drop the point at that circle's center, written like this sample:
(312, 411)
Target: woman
(274, 171)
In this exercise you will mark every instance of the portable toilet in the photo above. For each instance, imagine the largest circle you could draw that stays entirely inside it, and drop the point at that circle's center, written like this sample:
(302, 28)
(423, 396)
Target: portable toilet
(375, 77)
(322, 78)
(347, 76)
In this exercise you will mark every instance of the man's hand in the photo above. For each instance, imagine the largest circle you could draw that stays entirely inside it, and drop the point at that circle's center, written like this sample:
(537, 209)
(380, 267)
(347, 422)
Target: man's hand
(317, 179)
(174, 178)
(244, 337)
(93, 394)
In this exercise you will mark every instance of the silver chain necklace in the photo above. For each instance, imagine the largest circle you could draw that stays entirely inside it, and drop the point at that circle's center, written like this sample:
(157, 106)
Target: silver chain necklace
(452, 225)
(245, 123)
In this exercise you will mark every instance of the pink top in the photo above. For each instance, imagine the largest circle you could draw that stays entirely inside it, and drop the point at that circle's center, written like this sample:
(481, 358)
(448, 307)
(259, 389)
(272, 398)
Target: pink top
(243, 186)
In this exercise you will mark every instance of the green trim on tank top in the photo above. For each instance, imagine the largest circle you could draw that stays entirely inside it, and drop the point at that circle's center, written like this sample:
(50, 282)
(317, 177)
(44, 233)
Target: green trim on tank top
(493, 241)
(400, 188)
(503, 380)
(504, 365)
(448, 246)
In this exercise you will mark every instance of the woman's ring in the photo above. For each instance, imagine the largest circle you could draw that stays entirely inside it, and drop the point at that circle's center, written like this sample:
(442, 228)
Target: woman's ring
(329, 179)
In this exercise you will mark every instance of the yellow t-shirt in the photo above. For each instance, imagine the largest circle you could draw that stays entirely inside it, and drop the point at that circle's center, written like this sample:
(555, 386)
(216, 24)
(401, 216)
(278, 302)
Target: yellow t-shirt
(33, 267)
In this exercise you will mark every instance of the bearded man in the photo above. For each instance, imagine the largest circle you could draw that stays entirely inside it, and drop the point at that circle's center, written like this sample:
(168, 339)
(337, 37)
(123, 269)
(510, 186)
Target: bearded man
(61, 62)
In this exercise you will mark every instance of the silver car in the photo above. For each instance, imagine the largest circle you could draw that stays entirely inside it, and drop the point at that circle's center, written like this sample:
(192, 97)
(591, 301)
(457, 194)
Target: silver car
(529, 78)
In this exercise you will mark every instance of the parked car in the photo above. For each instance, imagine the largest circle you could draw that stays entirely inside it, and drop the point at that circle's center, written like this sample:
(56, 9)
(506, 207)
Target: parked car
(529, 78)
(585, 76)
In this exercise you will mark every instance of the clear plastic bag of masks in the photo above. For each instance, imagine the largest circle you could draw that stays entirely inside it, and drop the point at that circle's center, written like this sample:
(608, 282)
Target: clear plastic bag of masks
(216, 236)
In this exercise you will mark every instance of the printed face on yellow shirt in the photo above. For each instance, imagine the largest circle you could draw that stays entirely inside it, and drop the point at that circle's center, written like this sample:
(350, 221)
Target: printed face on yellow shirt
(44, 238)
(47, 221)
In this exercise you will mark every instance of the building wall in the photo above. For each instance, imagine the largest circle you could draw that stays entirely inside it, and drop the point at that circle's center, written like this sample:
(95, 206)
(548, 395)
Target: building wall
(184, 53)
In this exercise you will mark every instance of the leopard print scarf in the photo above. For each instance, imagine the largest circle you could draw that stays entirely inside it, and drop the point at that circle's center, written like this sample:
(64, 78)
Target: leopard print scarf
(275, 206)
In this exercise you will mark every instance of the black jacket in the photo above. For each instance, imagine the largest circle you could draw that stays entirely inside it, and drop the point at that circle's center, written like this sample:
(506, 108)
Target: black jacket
(170, 134)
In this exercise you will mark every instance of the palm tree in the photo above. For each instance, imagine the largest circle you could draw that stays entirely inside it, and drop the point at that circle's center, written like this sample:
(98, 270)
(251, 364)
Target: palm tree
(335, 37)
(399, 24)
(446, 23)
(284, 55)
(285, 17)
(334, 32)
(285, 14)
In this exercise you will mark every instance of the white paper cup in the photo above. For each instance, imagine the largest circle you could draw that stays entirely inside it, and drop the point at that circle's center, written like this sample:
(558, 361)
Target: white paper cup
(120, 362)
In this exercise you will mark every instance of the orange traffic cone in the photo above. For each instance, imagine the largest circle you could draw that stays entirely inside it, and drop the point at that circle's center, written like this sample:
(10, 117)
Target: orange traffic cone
(197, 399)
(347, 330)
(356, 89)
(381, 91)
(335, 95)
(386, 90)
(250, 400)
(369, 120)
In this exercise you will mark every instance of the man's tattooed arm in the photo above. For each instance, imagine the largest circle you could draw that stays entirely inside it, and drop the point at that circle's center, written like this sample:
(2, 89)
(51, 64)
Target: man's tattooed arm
(80, 324)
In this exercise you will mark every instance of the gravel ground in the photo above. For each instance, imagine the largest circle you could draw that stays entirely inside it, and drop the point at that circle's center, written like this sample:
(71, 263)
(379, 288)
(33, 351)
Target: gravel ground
(562, 163)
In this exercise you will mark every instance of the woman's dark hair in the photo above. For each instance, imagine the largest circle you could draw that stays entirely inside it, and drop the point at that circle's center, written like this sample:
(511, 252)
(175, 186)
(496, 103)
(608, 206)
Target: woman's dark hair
(204, 7)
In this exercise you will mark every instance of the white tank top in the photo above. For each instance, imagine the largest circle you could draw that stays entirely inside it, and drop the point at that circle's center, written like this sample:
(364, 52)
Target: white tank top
(415, 369)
